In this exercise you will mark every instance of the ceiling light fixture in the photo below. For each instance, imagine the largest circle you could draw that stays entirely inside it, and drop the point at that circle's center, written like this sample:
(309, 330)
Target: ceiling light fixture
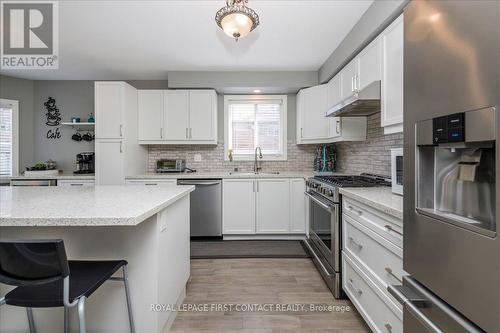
(236, 19)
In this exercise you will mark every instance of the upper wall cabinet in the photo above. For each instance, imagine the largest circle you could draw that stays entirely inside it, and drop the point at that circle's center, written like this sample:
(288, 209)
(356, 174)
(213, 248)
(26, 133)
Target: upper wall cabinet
(109, 109)
(314, 127)
(369, 63)
(177, 117)
(392, 77)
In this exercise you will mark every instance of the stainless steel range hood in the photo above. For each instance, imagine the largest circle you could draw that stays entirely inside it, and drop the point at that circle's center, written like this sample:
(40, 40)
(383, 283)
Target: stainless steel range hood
(363, 103)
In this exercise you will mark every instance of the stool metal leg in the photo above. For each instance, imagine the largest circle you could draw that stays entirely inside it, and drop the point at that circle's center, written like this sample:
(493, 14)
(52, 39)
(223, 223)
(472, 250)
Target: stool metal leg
(129, 304)
(81, 314)
(31, 321)
(66, 320)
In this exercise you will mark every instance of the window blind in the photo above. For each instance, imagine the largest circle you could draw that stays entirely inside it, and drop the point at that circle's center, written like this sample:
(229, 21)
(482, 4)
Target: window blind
(6, 143)
(255, 124)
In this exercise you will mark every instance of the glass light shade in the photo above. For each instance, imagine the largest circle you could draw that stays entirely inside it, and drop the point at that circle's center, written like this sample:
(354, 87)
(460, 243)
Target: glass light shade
(236, 25)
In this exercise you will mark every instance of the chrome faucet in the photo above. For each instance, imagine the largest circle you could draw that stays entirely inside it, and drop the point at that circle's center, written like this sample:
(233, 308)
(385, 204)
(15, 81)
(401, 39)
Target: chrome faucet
(256, 168)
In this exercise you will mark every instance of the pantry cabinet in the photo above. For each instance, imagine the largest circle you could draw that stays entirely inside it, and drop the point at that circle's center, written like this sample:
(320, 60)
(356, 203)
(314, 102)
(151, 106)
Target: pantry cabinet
(263, 206)
(177, 117)
(117, 150)
(392, 77)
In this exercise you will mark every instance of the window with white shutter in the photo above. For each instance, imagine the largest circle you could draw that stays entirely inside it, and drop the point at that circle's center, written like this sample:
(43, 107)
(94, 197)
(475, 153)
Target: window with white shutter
(8, 137)
(255, 121)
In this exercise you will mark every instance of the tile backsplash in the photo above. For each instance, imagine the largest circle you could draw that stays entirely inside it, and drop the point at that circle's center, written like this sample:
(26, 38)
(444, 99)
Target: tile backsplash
(300, 158)
(372, 155)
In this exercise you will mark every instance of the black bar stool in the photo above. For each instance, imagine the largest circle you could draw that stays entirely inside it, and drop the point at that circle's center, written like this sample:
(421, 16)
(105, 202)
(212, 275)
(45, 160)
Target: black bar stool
(45, 278)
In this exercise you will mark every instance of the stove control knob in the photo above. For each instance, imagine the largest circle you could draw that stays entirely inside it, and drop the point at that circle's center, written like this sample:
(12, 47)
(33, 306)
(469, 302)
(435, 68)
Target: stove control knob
(330, 193)
(314, 185)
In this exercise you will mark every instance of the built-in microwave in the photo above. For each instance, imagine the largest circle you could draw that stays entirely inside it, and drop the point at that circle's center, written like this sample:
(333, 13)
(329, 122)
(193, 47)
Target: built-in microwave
(397, 170)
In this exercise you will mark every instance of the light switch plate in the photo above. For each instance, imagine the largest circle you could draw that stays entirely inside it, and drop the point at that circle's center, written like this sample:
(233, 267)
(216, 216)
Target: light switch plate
(197, 157)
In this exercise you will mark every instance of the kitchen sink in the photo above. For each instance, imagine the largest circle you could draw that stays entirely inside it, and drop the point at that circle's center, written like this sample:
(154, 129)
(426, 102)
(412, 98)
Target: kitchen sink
(253, 173)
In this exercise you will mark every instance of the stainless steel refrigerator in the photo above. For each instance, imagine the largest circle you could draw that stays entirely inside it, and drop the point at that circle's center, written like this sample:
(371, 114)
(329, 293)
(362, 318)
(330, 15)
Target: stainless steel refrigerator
(451, 162)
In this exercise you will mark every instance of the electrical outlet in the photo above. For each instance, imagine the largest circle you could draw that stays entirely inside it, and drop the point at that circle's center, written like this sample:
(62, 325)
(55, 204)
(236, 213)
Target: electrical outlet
(197, 157)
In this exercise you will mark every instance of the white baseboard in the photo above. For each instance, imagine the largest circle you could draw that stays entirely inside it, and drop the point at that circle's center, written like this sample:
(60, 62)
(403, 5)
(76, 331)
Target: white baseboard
(265, 237)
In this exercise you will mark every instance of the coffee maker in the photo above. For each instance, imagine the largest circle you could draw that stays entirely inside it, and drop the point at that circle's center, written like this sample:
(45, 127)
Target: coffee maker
(84, 163)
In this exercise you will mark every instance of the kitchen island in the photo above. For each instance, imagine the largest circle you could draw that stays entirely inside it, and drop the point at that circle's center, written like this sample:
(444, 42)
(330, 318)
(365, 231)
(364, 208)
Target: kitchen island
(148, 227)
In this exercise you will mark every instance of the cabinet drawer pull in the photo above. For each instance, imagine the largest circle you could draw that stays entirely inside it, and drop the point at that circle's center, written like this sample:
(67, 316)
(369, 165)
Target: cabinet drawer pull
(390, 228)
(76, 184)
(121, 131)
(353, 287)
(356, 211)
(151, 184)
(391, 273)
(360, 247)
(388, 327)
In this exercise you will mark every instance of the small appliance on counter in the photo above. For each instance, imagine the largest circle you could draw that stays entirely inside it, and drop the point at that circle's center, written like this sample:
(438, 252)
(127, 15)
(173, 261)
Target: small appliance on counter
(85, 163)
(325, 160)
(170, 165)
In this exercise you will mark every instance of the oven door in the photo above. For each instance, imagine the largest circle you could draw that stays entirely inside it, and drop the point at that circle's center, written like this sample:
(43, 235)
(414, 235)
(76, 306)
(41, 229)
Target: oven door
(324, 230)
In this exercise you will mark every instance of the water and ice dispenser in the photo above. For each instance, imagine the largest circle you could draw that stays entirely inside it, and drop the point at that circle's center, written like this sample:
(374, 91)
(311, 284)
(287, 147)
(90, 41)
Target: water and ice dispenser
(456, 172)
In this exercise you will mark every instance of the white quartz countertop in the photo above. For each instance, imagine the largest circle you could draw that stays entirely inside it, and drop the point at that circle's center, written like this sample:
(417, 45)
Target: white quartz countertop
(221, 175)
(85, 206)
(380, 198)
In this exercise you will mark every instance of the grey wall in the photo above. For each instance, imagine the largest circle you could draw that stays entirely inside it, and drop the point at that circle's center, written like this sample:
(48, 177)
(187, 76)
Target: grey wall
(244, 82)
(376, 18)
(22, 91)
(74, 99)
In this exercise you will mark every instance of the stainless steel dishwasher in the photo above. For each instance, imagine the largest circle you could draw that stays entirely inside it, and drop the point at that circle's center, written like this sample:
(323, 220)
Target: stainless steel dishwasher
(206, 207)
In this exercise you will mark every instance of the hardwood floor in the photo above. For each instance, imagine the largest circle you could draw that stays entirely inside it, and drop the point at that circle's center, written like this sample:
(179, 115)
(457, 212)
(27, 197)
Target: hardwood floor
(262, 281)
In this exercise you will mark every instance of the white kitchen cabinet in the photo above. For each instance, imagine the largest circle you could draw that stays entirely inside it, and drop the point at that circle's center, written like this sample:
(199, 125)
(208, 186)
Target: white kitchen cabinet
(273, 206)
(392, 77)
(109, 109)
(117, 150)
(109, 166)
(297, 206)
(348, 76)
(75, 182)
(312, 125)
(238, 206)
(150, 120)
(203, 116)
(369, 62)
(333, 97)
(176, 115)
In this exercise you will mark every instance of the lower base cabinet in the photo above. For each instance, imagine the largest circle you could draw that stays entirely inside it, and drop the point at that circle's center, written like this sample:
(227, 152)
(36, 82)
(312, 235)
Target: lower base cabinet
(263, 206)
(76, 183)
(151, 182)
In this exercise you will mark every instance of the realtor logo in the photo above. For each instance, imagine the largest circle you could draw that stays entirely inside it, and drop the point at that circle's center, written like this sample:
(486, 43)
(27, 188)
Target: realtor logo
(29, 35)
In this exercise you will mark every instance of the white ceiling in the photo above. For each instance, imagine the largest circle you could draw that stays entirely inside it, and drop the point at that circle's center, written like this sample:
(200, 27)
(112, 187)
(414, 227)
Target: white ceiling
(146, 39)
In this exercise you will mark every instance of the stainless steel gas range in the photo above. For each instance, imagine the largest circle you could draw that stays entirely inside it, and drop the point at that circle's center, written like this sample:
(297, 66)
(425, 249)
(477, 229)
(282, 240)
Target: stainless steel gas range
(325, 222)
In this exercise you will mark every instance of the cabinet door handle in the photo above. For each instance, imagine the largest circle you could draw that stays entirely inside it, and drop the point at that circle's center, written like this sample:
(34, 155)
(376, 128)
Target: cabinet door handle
(161, 133)
(360, 247)
(121, 149)
(356, 83)
(187, 133)
(121, 130)
(356, 211)
(390, 228)
(352, 83)
(353, 287)
(337, 127)
(301, 132)
(253, 184)
(388, 327)
(391, 273)
(190, 133)
(257, 186)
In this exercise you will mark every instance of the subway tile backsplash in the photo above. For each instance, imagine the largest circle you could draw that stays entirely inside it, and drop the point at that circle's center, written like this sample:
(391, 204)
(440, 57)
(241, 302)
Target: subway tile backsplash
(371, 156)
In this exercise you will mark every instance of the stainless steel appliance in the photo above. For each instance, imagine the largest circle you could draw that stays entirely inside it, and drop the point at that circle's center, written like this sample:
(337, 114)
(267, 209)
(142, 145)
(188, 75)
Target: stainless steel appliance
(206, 207)
(325, 221)
(451, 124)
(33, 182)
(397, 170)
(361, 103)
(170, 165)
(85, 163)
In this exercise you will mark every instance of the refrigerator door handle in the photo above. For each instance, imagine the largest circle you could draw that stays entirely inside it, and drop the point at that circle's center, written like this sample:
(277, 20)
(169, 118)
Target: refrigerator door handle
(414, 297)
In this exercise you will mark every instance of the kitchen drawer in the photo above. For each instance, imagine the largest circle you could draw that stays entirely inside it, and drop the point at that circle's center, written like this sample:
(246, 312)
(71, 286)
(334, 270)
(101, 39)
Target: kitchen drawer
(385, 225)
(379, 312)
(151, 182)
(377, 256)
(84, 182)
